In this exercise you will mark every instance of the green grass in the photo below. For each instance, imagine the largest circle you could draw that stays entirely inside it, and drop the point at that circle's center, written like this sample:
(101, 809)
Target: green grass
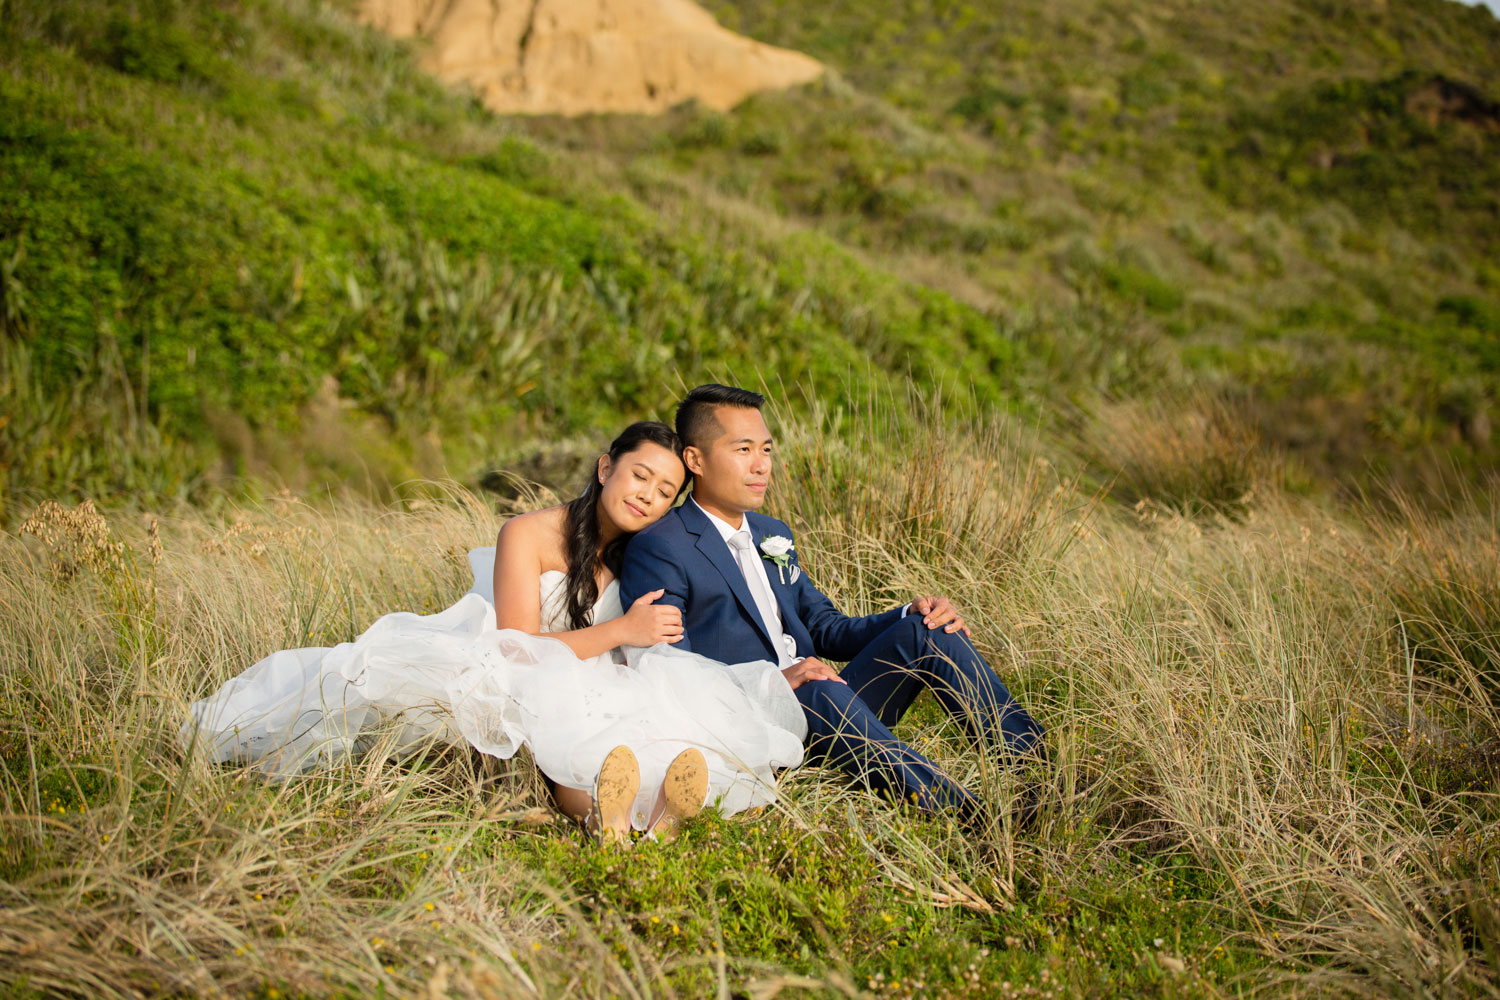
(1261, 780)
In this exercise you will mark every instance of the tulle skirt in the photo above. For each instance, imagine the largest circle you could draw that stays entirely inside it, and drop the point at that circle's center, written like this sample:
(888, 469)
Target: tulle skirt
(454, 676)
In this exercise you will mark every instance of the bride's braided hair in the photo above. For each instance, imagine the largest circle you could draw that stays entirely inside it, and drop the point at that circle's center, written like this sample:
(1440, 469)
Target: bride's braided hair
(581, 526)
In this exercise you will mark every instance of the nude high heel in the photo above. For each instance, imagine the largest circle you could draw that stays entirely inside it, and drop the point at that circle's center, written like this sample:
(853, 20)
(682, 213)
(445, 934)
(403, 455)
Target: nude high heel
(614, 792)
(683, 793)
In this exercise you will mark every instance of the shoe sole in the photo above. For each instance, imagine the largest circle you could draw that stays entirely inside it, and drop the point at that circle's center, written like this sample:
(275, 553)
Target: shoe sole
(614, 793)
(685, 788)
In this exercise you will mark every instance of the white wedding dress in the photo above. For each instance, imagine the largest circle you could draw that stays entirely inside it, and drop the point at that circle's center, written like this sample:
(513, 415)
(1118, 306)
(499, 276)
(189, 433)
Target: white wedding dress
(456, 676)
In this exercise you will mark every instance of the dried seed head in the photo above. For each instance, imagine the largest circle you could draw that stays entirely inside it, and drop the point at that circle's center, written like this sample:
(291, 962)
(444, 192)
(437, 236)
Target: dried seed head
(75, 539)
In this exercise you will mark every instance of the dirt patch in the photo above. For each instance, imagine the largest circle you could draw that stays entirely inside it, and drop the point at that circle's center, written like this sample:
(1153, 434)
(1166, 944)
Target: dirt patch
(576, 57)
(1439, 99)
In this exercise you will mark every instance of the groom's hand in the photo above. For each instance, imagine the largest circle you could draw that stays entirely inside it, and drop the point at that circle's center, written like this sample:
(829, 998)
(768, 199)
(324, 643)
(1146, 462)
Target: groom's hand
(810, 669)
(939, 612)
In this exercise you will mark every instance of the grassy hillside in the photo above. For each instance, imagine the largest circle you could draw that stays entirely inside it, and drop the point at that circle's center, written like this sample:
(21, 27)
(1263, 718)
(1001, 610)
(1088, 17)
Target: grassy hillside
(224, 225)
(1294, 204)
(252, 238)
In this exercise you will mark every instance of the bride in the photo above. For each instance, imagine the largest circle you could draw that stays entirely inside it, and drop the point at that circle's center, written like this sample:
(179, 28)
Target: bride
(629, 731)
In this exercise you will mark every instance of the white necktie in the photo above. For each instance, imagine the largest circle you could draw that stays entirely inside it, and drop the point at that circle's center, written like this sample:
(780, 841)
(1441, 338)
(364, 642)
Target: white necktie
(765, 602)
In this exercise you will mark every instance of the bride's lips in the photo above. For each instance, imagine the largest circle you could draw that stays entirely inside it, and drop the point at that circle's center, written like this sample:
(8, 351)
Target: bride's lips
(634, 509)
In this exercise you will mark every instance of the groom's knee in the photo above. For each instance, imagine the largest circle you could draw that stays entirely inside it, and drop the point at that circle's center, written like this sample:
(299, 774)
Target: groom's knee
(951, 647)
(906, 639)
(917, 634)
(829, 705)
(824, 696)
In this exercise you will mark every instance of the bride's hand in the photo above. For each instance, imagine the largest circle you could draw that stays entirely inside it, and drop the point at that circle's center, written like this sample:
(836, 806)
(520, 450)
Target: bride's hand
(647, 623)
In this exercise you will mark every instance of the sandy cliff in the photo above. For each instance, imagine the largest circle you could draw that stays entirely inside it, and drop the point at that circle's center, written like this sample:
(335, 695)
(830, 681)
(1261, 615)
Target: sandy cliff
(578, 56)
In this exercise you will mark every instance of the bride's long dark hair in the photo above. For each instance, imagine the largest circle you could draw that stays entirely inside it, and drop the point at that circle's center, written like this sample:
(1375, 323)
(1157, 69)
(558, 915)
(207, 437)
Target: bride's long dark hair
(581, 526)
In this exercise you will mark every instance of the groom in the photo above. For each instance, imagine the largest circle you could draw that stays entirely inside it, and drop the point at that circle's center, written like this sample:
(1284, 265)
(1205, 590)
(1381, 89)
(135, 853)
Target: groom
(735, 576)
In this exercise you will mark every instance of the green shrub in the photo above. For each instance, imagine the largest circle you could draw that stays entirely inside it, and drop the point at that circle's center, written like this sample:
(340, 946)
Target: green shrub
(1471, 311)
(156, 51)
(1140, 285)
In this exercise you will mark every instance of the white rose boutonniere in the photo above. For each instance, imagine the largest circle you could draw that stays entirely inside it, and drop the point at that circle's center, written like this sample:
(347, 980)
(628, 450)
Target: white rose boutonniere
(778, 549)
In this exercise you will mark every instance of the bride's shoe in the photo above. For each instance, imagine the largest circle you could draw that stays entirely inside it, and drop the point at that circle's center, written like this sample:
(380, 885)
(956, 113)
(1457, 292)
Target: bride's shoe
(683, 793)
(614, 793)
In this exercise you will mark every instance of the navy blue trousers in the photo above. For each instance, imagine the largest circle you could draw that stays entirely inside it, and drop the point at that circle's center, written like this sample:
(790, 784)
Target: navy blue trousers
(848, 725)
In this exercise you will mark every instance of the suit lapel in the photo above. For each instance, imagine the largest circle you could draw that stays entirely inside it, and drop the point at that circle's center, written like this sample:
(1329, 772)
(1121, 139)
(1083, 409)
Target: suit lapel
(714, 548)
(781, 590)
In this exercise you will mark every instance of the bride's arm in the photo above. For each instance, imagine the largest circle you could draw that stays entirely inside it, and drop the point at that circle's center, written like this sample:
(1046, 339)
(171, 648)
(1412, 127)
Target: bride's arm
(518, 584)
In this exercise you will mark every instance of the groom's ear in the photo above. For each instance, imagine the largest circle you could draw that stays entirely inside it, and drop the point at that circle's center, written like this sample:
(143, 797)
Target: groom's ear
(693, 459)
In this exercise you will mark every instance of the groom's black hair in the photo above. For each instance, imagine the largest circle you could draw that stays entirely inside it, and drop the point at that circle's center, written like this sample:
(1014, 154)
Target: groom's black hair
(696, 425)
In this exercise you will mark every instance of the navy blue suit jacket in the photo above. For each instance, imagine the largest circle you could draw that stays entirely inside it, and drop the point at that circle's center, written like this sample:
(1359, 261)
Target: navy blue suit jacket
(685, 555)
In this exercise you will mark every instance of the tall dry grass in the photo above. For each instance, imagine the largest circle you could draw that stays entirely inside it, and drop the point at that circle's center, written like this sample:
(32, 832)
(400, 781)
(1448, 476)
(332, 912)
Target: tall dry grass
(1247, 703)
(1198, 453)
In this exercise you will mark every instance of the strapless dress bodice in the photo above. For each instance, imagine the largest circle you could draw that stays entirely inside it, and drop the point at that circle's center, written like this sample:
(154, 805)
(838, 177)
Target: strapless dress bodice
(555, 602)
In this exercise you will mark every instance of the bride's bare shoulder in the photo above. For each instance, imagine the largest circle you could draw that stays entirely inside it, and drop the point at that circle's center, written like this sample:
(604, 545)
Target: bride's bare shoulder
(539, 531)
(548, 520)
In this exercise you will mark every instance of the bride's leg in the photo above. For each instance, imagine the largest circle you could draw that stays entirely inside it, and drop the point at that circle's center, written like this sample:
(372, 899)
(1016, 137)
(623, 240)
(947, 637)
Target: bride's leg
(574, 803)
(578, 805)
